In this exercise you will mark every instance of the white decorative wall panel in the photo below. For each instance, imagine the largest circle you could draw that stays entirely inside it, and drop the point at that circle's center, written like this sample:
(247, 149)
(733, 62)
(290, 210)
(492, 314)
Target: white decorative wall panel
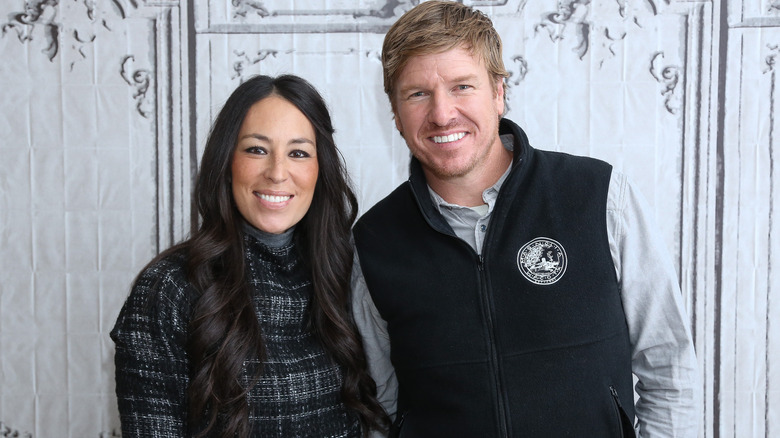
(749, 308)
(106, 106)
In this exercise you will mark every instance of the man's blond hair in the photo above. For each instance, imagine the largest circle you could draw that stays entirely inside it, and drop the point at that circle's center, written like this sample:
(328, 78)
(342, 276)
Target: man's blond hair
(437, 26)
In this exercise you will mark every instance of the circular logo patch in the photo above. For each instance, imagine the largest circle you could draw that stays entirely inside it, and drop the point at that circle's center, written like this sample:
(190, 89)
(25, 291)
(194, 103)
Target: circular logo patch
(542, 261)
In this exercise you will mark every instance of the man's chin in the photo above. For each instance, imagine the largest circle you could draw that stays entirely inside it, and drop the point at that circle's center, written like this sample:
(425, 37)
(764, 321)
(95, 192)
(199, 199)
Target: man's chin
(446, 171)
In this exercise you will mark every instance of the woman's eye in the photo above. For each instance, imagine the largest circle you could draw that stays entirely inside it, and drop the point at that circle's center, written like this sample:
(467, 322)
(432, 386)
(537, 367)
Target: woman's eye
(255, 150)
(299, 154)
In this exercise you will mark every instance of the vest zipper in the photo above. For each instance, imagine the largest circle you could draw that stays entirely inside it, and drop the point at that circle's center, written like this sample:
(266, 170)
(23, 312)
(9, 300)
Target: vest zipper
(494, 362)
(488, 305)
(626, 428)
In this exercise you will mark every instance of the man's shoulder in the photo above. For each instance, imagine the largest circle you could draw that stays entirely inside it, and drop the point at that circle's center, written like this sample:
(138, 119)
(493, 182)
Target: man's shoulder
(567, 162)
(389, 204)
(567, 156)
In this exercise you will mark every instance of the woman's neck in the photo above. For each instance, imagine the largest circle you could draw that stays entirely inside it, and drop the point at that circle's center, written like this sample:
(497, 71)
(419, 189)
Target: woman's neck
(269, 239)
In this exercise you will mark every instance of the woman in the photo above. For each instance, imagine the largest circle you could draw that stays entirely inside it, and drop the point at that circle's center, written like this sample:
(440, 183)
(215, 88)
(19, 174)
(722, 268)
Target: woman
(245, 329)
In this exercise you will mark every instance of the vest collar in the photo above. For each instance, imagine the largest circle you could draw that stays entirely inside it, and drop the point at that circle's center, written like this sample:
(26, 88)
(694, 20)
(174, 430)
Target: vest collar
(522, 151)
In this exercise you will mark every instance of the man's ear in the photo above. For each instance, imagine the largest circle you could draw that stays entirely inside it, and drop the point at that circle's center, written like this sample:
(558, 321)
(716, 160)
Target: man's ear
(398, 125)
(500, 101)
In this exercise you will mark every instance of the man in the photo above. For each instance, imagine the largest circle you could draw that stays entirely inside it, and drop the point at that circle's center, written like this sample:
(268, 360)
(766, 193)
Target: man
(504, 291)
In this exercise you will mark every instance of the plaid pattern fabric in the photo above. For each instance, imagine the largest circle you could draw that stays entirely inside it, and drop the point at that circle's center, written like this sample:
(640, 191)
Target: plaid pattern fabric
(298, 392)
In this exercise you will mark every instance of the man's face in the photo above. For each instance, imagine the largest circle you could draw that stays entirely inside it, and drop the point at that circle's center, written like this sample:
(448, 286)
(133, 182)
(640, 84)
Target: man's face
(447, 108)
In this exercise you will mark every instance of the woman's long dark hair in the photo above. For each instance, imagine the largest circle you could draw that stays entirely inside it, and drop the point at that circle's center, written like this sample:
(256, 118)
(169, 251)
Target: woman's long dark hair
(224, 330)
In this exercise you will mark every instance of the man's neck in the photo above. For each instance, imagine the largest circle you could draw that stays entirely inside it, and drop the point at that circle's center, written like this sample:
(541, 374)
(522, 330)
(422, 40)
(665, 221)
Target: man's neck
(467, 190)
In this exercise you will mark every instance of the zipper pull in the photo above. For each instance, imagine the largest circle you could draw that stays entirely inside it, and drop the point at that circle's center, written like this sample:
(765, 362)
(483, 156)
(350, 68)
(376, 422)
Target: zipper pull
(615, 395)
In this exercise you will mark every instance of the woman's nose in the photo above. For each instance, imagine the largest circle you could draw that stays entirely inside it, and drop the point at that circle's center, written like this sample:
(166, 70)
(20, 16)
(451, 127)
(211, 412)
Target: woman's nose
(277, 169)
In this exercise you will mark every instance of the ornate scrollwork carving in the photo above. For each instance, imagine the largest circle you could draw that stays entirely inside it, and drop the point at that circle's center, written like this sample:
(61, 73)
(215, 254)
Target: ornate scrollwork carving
(43, 14)
(521, 69)
(7, 432)
(669, 76)
(243, 7)
(572, 18)
(264, 9)
(140, 80)
(771, 58)
(572, 13)
(37, 13)
(773, 7)
(244, 60)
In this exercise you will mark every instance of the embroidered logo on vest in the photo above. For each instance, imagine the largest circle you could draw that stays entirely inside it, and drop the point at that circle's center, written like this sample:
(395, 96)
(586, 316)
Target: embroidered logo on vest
(542, 261)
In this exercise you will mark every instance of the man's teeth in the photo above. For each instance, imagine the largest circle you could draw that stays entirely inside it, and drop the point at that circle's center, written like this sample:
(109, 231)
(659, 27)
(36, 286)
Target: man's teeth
(448, 138)
(271, 198)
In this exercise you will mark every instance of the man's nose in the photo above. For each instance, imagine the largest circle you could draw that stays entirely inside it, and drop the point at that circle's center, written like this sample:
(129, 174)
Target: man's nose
(442, 110)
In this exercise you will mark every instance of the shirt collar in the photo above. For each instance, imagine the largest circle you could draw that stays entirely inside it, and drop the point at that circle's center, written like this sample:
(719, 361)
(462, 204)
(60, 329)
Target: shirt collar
(489, 195)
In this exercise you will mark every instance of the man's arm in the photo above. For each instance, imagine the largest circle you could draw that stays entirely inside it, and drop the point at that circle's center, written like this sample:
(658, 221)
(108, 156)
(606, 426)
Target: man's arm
(663, 358)
(376, 342)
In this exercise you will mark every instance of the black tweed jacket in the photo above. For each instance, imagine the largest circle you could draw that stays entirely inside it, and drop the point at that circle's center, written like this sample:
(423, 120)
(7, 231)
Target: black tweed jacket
(298, 392)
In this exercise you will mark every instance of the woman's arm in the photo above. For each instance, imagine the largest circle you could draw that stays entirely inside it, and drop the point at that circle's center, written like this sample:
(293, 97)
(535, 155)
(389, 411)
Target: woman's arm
(152, 370)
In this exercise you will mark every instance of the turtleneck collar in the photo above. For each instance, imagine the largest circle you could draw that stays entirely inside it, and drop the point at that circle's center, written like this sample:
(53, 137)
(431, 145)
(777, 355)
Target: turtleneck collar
(269, 239)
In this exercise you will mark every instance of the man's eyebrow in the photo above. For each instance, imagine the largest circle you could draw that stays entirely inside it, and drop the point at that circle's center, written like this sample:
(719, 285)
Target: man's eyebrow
(467, 77)
(405, 89)
(471, 77)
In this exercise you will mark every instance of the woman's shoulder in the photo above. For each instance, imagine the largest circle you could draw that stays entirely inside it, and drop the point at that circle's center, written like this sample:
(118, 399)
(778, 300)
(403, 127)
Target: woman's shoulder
(166, 270)
(161, 294)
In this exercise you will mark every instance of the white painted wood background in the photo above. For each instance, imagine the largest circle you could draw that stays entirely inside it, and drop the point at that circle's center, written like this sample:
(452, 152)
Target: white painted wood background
(104, 107)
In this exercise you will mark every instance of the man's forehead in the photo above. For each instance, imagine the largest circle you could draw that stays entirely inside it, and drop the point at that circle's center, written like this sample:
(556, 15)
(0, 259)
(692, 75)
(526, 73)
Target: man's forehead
(449, 65)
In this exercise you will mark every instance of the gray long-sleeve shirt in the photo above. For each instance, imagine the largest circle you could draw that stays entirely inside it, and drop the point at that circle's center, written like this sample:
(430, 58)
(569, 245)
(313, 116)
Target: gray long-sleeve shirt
(662, 356)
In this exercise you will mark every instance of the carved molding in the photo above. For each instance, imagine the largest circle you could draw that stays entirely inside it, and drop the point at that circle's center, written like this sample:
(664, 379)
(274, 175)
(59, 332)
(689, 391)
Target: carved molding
(248, 62)
(670, 77)
(572, 18)
(771, 58)
(9, 432)
(518, 69)
(140, 80)
(174, 161)
(41, 17)
(155, 91)
(244, 60)
(571, 13)
(267, 11)
(37, 13)
(257, 16)
(78, 35)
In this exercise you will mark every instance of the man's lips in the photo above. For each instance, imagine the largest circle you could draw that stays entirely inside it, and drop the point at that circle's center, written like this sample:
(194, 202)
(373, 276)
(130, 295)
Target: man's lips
(439, 139)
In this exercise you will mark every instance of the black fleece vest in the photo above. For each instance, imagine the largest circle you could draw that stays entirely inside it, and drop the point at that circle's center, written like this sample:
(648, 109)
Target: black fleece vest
(528, 341)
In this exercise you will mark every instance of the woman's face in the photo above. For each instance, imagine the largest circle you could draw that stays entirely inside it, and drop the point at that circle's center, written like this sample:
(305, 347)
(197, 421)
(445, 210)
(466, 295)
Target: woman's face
(274, 168)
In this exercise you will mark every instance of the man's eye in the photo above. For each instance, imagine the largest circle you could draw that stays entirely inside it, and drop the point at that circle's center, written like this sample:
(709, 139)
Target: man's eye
(464, 87)
(417, 94)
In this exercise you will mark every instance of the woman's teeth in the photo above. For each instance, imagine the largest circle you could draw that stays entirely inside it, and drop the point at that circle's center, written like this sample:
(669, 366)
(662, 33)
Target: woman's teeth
(271, 198)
